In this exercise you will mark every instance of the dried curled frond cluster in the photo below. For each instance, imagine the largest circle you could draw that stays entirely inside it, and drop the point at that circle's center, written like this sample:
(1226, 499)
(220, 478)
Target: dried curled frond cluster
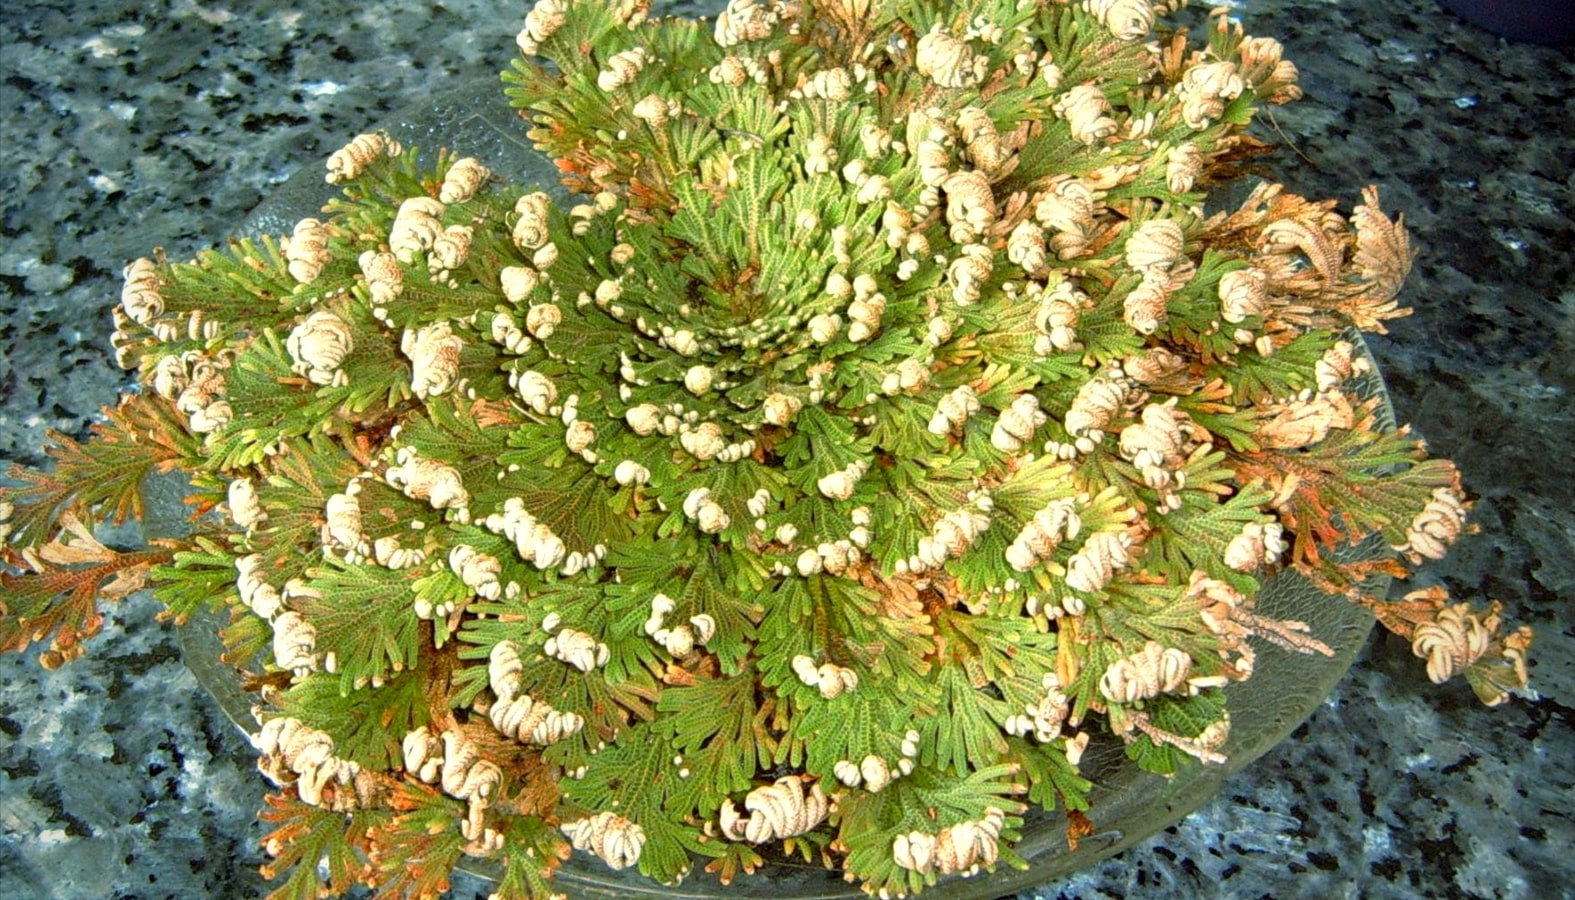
(881, 423)
(780, 810)
(296, 753)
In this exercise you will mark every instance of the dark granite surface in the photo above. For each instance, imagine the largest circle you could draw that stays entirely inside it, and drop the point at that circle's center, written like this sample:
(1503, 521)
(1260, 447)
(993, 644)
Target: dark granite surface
(128, 126)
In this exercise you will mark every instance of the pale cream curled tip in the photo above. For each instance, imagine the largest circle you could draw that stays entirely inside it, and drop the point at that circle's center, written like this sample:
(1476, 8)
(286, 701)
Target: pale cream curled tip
(1151, 671)
(318, 347)
(262, 598)
(875, 772)
(704, 628)
(1182, 167)
(655, 110)
(169, 377)
(294, 644)
(698, 379)
(545, 256)
(1085, 109)
(948, 61)
(1093, 407)
(1204, 90)
(542, 319)
(140, 298)
(1257, 545)
(1128, 20)
(780, 810)
(1038, 538)
(950, 537)
(417, 223)
(577, 648)
(422, 753)
(910, 376)
(934, 162)
(466, 776)
(580, 435)
(1057, 317)
(434, 354)
(954, 409)
(704, 442)
(518, 282)
(864, 316)
(834, 84)
(1017, 423)
(1158, 437)
(426, 479)
(1025, 247)
(1069, 206)
(1452, 642)
(981, 139)
(1144, 308)
(1302, 423)
(504, 668)
(1339, 363)
(621, 69)
(245, 507)
(389, 553)
(962, 847)
(1156, 244)
(535, 540)
(1436, 527)
(970, 204)
(629, 473)
(349, 161)
(840, 484)
(730, 71)
(541, 23)
(1243, 293)
(613, 838)
(479, 571)
(708, 514)
(288, 746)
(530, 230)
(644, 419)
(745, 20)
(450, 249)
(462, 180)
(342, 524)
(530, 721)
(7, 510)
(306, 252)
(1045, 717)
(385, 280)
(914, 851)
(537, 390)
(1097, 561)
(823, 328)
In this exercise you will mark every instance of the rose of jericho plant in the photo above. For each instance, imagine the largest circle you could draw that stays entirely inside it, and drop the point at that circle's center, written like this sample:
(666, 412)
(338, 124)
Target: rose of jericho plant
(886, 418)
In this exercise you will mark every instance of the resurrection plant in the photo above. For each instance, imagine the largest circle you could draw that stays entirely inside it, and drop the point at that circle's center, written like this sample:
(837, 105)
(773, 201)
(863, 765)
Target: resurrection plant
(886, 417)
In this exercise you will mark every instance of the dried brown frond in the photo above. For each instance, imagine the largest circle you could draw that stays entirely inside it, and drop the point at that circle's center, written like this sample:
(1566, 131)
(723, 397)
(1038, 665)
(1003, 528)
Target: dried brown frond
(1321, 248)
(1383, 247)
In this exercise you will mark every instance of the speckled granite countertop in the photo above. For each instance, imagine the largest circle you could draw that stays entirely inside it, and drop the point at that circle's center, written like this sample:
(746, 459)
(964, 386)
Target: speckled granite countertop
(127, 126)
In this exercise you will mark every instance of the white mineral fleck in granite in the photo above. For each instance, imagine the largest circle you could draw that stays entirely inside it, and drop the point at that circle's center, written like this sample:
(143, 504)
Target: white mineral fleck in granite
(129, 126)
